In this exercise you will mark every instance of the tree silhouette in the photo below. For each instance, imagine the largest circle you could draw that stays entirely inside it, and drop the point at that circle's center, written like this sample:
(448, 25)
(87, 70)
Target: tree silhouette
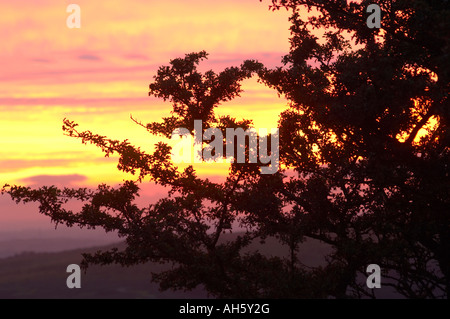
(364, 145)
(362, 109)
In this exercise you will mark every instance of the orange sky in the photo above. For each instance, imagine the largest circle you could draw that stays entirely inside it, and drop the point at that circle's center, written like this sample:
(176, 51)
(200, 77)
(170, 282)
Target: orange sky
(98, 75)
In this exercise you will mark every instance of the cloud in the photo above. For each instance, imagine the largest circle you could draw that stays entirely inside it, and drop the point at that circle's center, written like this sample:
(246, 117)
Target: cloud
(89, 57)
(57, 180)
(41, 60)
(74, 102)
(16, 165)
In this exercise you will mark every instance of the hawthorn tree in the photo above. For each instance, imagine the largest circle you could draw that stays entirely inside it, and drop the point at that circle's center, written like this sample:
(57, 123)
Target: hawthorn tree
(368, 125)
(364, 149)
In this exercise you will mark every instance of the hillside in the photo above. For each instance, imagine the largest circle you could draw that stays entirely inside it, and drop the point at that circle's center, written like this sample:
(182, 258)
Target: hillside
(39, 271)
(43, 275)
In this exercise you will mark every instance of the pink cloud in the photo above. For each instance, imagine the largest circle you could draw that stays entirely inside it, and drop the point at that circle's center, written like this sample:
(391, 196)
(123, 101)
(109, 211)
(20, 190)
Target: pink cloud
(56, 180)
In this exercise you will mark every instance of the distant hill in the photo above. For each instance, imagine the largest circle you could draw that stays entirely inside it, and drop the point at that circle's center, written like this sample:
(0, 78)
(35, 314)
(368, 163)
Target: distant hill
(39, 271)
(49, 239)
(9, 248)
(43, 275)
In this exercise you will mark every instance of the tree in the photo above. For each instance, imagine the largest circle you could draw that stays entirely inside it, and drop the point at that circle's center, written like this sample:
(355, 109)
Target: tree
(364, 145)
(363, 110)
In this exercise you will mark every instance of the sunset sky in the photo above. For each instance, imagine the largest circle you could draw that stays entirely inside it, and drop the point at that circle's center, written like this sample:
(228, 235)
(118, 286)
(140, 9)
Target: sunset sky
(99, 74)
